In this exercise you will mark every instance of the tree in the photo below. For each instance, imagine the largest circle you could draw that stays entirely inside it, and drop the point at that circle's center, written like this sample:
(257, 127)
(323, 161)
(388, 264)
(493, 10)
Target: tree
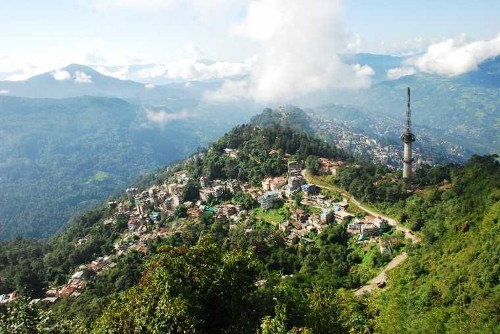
(312, 164)
(21, 318)
(191, 191)
(297, 197)
(199, 289)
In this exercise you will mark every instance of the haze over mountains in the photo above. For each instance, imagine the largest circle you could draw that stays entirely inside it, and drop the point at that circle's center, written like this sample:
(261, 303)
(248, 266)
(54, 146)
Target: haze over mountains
(72, 136)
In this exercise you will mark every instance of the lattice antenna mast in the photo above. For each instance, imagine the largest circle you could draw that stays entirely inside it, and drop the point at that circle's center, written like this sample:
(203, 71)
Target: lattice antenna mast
(408, 115)
(407, 138)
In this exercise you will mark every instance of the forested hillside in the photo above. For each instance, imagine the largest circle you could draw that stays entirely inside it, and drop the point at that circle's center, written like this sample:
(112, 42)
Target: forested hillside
(451, 283)
(217, 276)
(58, 157)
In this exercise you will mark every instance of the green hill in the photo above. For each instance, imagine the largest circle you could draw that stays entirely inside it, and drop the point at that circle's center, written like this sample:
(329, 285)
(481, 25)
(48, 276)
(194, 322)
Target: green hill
(58, 157)
(214, 276)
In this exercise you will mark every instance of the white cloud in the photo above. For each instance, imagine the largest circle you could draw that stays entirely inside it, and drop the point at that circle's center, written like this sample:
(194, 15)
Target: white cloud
(189, 66)
(398, 72)
(61, 75)
(82, 77)
(354, 45)
(231, 90)
(146, 5)
(407, 47)
(149, 86)
(4, 92)
(161, 118)
(454, 57)
(119, 72)
(363, 71)
(200, 7)
(299, 43)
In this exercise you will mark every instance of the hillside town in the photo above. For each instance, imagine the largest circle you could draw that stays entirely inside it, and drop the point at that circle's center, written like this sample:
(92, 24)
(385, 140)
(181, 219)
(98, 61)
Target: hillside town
(380, 142)
(143, 209)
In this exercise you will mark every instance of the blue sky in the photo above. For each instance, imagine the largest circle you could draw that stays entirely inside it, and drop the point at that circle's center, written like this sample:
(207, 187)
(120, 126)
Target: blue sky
(39, 35)
(399, 21)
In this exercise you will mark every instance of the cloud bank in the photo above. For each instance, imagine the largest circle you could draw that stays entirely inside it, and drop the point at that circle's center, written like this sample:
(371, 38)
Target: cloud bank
(161, 118)
(61, 75)
(398, 72)
(82, 77)
(299, 43)
(453, 57)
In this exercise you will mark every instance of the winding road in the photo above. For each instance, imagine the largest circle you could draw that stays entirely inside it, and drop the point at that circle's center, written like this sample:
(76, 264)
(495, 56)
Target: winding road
(382, 276)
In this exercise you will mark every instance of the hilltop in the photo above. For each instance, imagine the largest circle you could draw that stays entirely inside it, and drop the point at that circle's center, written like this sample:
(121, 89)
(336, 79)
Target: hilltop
(238, 225)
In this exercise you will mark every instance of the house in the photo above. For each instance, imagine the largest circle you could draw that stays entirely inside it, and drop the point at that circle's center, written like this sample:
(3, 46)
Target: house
(266, 184)
(370, 229)
(268, 199)
(77, 275)
(285, 226)
(231, 153)
(205, 194)
(155, 216)
(294, 168)
(181, 176)
(292, 239)
(177, 200)
(327, 215)
(217, 191)
(294, 182)
(204, 182)
(342, 215)
(328, 166)
(277, 183)
(306, 241)
(310, 189)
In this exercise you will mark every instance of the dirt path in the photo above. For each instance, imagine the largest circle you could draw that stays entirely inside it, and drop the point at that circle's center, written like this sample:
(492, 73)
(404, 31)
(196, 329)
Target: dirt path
(382, 276)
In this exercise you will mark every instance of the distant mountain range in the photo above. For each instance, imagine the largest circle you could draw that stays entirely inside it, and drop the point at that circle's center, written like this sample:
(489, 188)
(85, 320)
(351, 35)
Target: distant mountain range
(464, 107)
(79, 80)
(59, 156)
(72, 136)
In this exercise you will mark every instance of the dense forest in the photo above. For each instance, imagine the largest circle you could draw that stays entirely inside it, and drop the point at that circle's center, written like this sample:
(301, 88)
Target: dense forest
(210, 278)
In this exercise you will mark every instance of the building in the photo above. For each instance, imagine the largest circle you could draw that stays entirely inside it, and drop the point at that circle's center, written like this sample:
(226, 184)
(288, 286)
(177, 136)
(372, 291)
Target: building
(293, 168)
(231, 152)
(343, 215)
(204, 182)
(294, 182)
(268, 199)
(327, 216)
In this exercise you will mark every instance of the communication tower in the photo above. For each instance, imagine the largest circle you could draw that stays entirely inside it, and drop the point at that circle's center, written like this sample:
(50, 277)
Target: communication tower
(407, 138)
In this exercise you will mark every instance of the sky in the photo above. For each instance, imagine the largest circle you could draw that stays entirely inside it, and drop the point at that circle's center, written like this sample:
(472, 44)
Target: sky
(267, 40)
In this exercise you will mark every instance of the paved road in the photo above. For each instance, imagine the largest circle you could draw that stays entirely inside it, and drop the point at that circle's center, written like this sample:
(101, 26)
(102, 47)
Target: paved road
(382, 276)
(391, 221)
(408, 234)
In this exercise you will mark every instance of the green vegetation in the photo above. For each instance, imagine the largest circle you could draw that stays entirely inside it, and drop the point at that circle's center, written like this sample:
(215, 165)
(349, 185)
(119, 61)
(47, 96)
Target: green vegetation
(274, 216)
(255, 161)
(450, 284)
(60, 157)
(215, 277)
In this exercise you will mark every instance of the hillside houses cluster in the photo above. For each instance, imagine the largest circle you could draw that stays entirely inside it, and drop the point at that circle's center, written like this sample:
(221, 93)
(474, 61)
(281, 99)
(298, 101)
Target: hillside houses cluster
(369, 226)
(344, 136)
(302, 224)
(141, 211)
